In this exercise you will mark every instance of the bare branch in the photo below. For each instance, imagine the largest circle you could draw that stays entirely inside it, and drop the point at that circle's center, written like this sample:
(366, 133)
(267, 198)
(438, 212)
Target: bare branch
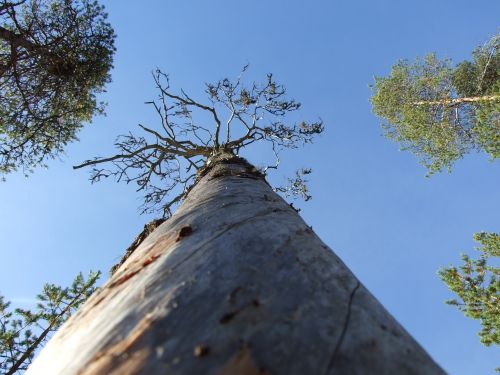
(162, 161)
(297, 186)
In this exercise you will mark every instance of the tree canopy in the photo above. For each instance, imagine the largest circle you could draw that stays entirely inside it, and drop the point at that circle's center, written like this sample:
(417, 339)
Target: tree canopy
(55, 57)
(165, 160)
(439, 111)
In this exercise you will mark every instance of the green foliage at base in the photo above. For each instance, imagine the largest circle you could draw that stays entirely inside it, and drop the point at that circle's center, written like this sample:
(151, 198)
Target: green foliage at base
(477, 285)
(23, 332)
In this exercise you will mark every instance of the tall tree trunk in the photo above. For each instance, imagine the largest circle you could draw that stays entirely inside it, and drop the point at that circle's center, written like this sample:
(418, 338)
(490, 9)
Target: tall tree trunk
(234, 283)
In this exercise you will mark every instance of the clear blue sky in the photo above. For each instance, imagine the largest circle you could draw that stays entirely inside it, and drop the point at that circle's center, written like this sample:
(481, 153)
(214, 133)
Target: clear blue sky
(371, 203)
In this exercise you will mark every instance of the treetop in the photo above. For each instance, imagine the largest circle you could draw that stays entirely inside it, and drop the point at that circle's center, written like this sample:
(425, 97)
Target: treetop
(164, 159)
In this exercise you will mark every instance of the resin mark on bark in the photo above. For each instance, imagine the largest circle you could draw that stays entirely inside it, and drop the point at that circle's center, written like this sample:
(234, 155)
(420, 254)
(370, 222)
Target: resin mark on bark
(226, 318)
(344, 328)
(242, 363)
(131, 274)
(124, 278)
(150, 260)
(201, 350)
(184, 232)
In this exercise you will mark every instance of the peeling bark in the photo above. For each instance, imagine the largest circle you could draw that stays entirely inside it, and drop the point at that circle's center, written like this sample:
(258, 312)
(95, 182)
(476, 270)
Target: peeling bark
(233, 283)
(148, 229)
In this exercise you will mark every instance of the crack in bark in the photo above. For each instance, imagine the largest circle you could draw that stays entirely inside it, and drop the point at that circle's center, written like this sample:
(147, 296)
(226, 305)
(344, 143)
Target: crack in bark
(344, 329)
(227, 317)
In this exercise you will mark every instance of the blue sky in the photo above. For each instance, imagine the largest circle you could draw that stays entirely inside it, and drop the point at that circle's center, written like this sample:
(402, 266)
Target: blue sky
(371, 203)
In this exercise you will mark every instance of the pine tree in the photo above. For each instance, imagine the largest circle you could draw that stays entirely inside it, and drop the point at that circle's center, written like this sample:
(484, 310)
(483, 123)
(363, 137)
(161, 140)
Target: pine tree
(477, 284)
(24, 331)
(439, 111)
(234, 282)
(55, 57)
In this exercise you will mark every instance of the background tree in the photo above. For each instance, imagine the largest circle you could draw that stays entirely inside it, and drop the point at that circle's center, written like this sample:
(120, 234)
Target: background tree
(23, 332)
(55, 57)
(234, 282)
(440, 112)
(477, 284)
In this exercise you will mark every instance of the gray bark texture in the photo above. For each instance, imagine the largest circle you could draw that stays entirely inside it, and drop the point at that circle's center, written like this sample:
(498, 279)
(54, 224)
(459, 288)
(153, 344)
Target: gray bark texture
(235, 282)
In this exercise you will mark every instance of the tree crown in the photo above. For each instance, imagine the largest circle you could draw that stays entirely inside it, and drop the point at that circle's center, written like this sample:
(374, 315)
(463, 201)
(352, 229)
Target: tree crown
(55, 57)
(441, 112)
(166, 159)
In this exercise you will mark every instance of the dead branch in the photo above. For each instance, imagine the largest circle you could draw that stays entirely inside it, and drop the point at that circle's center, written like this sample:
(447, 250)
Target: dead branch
(161, 160)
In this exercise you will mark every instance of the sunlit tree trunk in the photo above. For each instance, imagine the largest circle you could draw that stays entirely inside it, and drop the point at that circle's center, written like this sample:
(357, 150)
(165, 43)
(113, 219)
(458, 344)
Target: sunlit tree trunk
(455, 101)
(234, 283)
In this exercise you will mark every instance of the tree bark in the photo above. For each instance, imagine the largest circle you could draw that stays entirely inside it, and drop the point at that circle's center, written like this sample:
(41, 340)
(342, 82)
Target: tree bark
(15, 39)
(474, 99)
(234, 283)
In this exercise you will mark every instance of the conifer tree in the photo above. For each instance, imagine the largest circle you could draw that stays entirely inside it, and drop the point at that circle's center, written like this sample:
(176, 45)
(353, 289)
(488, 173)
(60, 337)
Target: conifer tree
(440, 112)
(55, 57)
(24, 331)
(477, 284)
